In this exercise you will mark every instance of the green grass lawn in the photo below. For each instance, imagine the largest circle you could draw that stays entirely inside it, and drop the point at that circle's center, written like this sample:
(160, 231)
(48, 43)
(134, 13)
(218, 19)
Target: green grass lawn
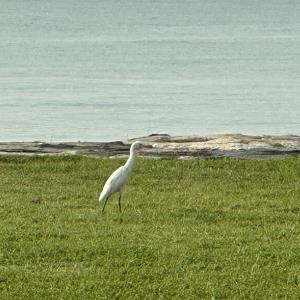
(196, 229)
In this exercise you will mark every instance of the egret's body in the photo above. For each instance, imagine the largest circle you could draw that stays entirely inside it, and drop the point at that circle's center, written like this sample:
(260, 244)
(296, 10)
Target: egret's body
(117, 180)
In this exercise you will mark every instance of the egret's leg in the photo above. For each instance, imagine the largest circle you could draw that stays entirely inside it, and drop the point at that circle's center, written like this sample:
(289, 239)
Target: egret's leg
(104, 204)
(120, 202)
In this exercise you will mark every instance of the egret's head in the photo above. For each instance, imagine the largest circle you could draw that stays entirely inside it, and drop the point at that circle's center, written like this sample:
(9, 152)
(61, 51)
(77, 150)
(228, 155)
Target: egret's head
(135, 146)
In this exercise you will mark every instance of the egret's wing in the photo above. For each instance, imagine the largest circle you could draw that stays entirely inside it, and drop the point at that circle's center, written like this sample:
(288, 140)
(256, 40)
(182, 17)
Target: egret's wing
(113, 183)
(115, 177)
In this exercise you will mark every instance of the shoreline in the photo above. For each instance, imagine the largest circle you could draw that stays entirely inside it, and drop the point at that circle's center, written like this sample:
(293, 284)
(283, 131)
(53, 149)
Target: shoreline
(166, 146)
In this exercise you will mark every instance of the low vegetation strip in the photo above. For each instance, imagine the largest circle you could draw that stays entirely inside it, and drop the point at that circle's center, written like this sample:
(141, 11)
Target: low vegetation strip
(195, 229)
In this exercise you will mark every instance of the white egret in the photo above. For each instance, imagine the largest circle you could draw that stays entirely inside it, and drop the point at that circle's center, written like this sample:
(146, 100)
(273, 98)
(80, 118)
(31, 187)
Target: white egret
(116, 181)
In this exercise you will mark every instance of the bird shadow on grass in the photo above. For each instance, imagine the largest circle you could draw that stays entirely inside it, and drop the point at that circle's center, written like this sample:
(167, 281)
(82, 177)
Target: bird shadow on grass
(116, 217)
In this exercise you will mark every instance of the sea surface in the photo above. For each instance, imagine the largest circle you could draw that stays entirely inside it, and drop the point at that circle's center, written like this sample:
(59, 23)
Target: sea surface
(107, 70)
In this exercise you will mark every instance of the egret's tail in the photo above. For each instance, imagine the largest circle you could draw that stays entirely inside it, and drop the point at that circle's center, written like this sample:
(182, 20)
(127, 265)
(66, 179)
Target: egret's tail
(102, 196)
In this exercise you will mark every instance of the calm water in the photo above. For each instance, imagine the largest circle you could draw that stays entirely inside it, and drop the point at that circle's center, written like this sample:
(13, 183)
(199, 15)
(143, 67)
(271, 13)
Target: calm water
(106, 70)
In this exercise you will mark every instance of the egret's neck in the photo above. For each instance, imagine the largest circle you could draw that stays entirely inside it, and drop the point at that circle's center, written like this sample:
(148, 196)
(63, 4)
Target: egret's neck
(130, 162)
